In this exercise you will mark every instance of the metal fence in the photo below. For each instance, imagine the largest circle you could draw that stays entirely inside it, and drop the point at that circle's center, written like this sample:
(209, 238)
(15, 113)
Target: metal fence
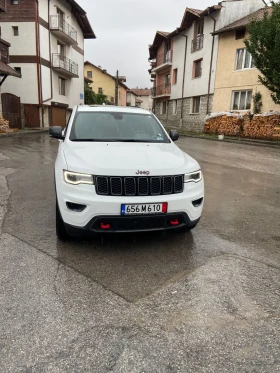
(197, 43)
(60, 61)
(58, 23)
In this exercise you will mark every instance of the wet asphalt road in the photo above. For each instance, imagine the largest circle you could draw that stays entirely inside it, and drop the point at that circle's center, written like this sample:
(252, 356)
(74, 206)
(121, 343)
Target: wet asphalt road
(206, 301)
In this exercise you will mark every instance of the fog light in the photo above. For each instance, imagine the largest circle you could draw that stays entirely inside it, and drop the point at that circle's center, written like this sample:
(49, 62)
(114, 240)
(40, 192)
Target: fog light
(75, 207)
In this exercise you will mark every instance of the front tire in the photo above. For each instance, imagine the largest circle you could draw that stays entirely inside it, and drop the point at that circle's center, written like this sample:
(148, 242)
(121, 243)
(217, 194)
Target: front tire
(60, 227)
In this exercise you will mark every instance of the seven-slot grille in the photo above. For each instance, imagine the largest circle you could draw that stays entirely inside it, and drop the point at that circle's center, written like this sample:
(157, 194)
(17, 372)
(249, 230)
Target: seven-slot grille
(139, 186)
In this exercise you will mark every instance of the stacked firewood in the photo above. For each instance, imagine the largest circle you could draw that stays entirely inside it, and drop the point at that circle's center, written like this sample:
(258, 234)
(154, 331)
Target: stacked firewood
(224, 123)
(263, 126)
(4, 125)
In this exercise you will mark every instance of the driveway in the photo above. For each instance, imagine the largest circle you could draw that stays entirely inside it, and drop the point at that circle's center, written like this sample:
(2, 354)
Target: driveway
(206, 301)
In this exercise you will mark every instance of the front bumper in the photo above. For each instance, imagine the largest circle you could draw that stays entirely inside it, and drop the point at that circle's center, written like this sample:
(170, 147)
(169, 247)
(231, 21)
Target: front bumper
(106, 207)
(143, 223)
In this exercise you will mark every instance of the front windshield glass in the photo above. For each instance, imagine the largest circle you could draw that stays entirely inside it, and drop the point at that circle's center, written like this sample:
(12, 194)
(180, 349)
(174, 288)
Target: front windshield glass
(116, 126)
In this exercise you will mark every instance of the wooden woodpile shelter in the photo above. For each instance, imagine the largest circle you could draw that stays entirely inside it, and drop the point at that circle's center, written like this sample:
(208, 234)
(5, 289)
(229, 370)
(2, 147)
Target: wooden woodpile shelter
(261, 126)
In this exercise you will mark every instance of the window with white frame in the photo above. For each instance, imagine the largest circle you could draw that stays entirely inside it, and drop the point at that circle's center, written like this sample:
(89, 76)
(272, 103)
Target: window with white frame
(241, 100)
(244, 60)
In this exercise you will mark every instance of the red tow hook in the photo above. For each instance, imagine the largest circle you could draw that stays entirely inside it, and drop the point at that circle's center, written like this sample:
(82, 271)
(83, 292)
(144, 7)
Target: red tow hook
(105, 226)
(174, 222)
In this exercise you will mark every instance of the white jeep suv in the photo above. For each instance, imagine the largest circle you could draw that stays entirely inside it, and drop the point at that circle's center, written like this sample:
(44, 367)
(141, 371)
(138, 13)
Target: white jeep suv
(118, 170)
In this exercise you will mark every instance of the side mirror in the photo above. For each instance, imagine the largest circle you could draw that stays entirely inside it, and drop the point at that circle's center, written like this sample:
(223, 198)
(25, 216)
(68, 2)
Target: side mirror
(56, 133)
(174, 135)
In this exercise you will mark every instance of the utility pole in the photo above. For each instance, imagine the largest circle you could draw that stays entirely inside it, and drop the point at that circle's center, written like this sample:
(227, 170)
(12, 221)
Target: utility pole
(117, 89)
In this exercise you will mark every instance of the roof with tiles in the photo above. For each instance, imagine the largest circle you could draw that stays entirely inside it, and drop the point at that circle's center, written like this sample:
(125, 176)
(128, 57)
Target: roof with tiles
(142, 92)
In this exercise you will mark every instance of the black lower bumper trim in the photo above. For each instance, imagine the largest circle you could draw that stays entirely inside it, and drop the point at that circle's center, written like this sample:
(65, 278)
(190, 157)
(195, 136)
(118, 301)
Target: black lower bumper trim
(143, 223)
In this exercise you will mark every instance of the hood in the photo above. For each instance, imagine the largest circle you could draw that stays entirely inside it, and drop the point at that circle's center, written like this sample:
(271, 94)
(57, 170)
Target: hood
(127, 159)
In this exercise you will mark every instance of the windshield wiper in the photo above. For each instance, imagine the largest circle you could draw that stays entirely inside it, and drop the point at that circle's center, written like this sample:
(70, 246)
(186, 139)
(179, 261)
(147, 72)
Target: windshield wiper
(91, 140)
(111, 140)
(117, 140)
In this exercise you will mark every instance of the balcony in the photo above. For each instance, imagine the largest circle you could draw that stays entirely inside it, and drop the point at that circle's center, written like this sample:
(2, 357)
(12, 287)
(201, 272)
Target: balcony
(163, 90)
(163, 60)
(64, 66)
(63, 30)
(197, 43)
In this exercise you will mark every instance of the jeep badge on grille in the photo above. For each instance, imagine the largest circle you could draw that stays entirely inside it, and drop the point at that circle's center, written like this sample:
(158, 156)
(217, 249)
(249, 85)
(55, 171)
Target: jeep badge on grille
(143, 173)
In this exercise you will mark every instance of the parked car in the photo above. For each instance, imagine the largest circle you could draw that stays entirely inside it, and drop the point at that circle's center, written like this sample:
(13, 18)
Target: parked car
(118, 170)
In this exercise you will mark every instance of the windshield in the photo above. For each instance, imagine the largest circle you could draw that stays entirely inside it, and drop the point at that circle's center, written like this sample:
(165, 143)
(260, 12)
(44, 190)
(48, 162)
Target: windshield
(116, 126)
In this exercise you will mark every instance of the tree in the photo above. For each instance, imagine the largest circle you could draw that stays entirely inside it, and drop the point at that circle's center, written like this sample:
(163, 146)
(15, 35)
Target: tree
(92, 98)
(257, 101)
(89, 95)
(263, 43)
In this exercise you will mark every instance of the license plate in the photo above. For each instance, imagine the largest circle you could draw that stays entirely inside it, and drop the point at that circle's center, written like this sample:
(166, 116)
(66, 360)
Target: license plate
(147, 208)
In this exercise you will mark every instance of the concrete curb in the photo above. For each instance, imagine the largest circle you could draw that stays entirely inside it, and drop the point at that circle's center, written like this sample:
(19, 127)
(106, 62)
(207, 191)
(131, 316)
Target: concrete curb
(240, 142)
(24, 132)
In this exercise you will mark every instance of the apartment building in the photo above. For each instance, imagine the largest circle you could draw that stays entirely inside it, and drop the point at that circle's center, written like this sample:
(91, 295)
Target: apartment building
(103, 82)
(131, 98)
(144, 95)
(184, 63)
(237, 78)
(47, 49)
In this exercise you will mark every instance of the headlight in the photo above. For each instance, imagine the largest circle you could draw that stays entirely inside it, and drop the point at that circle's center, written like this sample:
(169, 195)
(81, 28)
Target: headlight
(76, 178)
(193, 177)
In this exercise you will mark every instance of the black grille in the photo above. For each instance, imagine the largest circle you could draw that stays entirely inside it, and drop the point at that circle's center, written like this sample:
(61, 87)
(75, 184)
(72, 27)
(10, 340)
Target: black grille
(116, 186)
(139, 186)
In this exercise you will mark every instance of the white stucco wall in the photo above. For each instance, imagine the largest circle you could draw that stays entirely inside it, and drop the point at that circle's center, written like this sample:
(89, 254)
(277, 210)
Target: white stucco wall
(44, 43)
(233, 10)
(74, 86)
(147, 102)
(46, 83)
(43, 10)
(69, 17)
(26, 87)
(131, 99)
(25, 42)
(196, 86)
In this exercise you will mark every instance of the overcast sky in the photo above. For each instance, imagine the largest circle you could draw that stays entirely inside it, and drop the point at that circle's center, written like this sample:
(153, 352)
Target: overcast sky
(125, 28)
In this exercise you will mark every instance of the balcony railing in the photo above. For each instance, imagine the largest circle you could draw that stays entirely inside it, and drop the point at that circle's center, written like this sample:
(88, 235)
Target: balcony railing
(58, 24)
(164, 58)
(197, 43)
(161, 90)
(64, 65)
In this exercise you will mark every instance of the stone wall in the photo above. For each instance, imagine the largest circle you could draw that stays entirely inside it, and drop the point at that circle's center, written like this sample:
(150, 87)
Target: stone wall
(191, 122)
